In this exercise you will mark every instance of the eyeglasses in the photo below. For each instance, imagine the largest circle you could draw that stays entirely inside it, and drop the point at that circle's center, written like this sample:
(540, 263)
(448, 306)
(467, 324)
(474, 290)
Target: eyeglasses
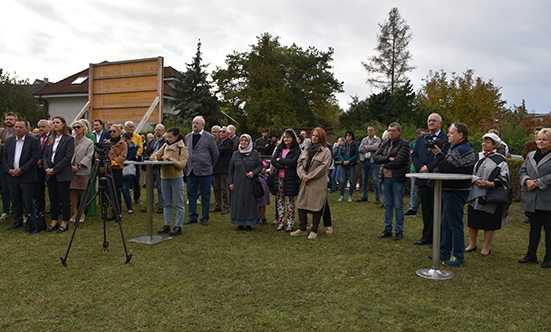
(76, 127)
(113, 131)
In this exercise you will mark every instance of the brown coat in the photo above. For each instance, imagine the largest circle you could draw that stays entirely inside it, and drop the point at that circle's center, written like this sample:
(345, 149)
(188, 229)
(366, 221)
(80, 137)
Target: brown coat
(529, 147)
(117, 154)
(178, 153)
(313, 193)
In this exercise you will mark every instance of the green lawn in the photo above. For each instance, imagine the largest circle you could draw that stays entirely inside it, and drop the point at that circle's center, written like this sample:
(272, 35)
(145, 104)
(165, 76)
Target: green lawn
(216, 279)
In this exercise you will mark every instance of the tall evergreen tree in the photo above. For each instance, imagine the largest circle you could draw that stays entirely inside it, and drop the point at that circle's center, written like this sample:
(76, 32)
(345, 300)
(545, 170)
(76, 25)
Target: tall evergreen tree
(192, 94)
(387, 69)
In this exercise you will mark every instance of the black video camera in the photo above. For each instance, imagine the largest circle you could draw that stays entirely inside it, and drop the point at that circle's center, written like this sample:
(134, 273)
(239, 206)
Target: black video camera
(103, 149)
(433, 143)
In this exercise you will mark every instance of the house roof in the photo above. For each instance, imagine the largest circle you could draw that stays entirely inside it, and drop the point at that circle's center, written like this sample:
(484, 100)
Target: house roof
(64, 86)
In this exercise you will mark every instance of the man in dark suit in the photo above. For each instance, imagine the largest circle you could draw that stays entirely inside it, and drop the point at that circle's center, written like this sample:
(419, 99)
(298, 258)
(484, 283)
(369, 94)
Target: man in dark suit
(153, 146)
(19, 157)
(100, 135)
(220, 172)
(40, 188)
(423, 160)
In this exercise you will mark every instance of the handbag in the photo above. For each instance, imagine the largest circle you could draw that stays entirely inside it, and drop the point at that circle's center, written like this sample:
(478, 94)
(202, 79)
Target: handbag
(258, 191)
(501, 194)
(129, 171)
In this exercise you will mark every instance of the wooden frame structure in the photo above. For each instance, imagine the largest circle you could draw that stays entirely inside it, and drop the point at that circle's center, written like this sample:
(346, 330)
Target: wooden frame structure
(126, 90)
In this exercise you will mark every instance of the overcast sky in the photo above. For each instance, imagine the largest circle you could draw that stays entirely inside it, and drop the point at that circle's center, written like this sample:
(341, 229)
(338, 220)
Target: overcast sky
(504, 40)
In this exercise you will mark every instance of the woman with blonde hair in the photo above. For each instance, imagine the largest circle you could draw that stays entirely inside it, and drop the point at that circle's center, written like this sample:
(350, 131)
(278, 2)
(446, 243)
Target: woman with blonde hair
(81, 164)
(117, 155)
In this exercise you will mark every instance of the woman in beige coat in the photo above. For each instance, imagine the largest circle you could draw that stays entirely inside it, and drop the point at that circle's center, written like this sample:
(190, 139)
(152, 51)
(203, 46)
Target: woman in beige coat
(81, 164)
(172, 179)
(312, 167)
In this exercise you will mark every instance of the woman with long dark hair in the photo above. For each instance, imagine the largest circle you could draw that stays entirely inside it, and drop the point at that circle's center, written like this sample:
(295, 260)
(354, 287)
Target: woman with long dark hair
(59, 173)
(284, 162)
(172, 179)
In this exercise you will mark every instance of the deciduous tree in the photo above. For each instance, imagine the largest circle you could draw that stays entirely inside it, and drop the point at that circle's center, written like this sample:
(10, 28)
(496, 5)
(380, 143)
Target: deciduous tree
(16, 96)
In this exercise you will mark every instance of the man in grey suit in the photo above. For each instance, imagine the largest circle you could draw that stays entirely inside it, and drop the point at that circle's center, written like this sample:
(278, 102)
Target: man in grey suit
(19, 157)
(368, 147)
(203, 154)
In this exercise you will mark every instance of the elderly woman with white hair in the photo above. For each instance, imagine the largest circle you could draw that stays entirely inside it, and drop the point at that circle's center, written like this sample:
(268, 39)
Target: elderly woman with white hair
(535, 178)
(490, 170)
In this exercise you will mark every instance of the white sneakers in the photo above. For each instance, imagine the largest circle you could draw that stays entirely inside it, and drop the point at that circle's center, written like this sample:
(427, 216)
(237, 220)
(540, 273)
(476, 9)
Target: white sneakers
(298, 232)
(4, 216)
(312, 235)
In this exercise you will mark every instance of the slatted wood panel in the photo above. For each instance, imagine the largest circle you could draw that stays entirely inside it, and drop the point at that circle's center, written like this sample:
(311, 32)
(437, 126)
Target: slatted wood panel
(124, 90)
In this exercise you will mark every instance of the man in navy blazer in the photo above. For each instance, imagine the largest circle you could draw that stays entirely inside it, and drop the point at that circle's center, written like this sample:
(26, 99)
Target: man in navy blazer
(423, 160)
(203, 154)
(40, 188)
(19, 157)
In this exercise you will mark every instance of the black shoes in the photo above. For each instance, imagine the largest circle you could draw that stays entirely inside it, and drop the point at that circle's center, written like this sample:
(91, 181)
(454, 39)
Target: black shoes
(53, 228)
(62, 229)
(470, 250)
(175, 231)
(377, 201)
(164, 230)
(264, 221)
(248, 229)
(422, 242)
(160, 210)
(398, 236)
(546, 263)
(484, 255)
(191, 221)
(112, 217)
(529, 259)
(363, 199)
(15, 225)
(204, 222)
(144, 210)
(384, 234)
(410, 213)
(240, 228)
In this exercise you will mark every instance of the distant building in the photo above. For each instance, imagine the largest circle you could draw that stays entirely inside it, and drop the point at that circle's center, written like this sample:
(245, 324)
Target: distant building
(67, 97)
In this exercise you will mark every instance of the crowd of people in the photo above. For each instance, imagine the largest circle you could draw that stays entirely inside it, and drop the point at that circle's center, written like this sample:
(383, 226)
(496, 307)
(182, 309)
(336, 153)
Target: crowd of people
(298, 170)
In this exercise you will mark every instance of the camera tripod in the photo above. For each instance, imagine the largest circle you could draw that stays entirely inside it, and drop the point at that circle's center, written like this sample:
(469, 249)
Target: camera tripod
(107, 197)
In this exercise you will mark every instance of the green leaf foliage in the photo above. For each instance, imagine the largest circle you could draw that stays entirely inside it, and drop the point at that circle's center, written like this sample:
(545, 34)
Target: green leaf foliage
(16, 96)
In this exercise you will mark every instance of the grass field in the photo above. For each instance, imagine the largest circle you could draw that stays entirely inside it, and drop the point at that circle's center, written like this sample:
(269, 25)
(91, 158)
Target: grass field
(213, 278)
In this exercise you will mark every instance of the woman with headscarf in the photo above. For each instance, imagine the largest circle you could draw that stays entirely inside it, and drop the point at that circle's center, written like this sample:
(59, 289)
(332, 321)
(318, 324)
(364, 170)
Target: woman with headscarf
(284, 162)
(312, 167)
(490, 170)
(244, 166)
(81, 164)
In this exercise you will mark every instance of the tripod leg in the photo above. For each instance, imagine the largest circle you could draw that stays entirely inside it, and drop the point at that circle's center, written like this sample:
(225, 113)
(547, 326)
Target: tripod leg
(113, 197)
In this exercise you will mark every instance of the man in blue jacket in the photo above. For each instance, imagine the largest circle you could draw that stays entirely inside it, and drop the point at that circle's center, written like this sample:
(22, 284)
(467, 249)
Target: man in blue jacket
(423, 160)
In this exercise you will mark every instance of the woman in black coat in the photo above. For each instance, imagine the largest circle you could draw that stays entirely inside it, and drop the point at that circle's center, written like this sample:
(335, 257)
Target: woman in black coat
(58, 155)
(284, 162)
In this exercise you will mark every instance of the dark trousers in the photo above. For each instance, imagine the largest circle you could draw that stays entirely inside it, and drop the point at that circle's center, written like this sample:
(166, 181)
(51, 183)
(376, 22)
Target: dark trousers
(538, 220)
(304, 220)
(40, 190)
(5, 190)
(156, 183)
(327, 215)
(203, 182)
(137, 188)
(60, 193)
(426, 194)
(21, 196)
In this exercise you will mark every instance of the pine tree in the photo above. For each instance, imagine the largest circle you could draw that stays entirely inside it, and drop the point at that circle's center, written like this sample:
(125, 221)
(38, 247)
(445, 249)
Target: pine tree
(387, 70)
(192, 94)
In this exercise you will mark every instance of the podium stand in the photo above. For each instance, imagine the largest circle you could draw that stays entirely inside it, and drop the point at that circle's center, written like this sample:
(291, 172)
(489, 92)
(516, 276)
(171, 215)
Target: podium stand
(434, 272)
(149, 238)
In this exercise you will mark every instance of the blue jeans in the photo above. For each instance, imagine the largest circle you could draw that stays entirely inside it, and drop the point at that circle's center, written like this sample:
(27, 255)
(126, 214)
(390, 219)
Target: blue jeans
(348, 173)
(174, 189)
(453, 235)
(368, 167)
(393, 196)
(205, 183)
(5, 190)
(126, 192)
(335, 177)
(412, 194)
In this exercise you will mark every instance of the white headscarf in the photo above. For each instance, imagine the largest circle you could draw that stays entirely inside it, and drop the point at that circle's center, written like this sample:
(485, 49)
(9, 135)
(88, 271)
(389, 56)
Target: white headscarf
(249, 148)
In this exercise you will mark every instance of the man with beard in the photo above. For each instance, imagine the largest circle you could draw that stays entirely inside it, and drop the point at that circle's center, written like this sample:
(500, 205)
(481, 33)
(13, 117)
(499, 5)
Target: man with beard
(9, 131)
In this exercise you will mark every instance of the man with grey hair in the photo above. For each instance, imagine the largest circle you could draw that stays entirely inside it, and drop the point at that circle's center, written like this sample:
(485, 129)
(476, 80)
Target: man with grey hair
(234, 138)
(136, 139)
(152, 147)
(202, 156)
(215, 131)
(423, 160)
(220, 172)
(40, 188)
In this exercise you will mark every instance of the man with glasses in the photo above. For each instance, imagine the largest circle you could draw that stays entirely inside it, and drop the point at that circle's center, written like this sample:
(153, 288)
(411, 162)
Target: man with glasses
(40, 188)
(423, 160)
(9, 131)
